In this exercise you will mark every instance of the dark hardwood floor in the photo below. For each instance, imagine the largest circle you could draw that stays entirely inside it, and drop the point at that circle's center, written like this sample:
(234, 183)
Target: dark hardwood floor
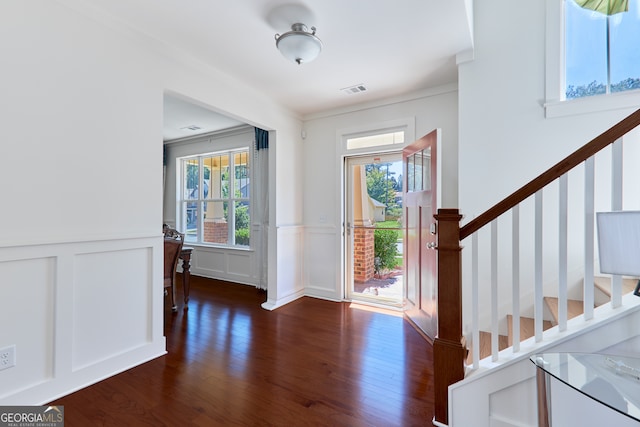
(230, 362)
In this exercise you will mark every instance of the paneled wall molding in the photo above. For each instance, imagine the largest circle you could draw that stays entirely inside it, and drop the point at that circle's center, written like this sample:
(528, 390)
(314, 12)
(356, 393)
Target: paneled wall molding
(81, 311)
(326, 229)
(322, 262)
(71, 240)
(290, 228)
(233, 265)
(288, 284)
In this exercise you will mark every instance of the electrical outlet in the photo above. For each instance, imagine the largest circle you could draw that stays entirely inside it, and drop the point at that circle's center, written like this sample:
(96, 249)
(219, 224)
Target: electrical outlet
(7, 357)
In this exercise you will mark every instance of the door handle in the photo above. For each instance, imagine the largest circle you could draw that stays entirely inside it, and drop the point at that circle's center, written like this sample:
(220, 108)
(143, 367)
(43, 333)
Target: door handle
(431, 245)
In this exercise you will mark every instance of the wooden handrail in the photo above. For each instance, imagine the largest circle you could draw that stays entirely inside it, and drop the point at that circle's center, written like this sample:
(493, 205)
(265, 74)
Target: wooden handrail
(585, 152)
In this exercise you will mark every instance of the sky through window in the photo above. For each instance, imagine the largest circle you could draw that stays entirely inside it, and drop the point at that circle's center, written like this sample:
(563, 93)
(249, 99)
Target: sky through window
(593, 40)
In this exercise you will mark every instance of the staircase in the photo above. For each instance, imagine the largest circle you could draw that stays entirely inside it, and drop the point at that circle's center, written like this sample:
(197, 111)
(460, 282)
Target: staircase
(521, 261)
(527, 327)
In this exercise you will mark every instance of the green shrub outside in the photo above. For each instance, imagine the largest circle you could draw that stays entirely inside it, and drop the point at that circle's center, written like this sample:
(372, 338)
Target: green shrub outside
(385, 249)
(242, 237)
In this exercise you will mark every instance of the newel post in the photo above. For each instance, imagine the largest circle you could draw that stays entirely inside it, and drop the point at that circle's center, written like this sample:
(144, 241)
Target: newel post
(448, 350)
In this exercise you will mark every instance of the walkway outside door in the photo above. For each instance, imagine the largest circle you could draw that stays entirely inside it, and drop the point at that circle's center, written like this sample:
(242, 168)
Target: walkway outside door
(374, 202)
(420, 258)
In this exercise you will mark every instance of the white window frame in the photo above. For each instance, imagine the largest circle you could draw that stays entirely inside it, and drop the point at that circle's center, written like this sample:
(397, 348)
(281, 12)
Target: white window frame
(556, 105)
(200, 200)
(406, 125)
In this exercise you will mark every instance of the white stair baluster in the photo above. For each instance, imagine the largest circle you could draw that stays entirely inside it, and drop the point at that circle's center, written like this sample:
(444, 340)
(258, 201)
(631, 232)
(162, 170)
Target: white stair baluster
(589, 218)
(562, 253)
(475, 314)
(538, 294)
(515, 257)
(616, 205)
(494, 291)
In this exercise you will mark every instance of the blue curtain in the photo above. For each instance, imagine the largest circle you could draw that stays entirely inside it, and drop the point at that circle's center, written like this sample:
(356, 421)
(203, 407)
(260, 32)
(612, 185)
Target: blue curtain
(262, 139)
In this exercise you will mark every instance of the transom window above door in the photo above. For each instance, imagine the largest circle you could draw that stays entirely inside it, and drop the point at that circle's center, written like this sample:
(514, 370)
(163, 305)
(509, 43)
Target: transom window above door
(376, 140)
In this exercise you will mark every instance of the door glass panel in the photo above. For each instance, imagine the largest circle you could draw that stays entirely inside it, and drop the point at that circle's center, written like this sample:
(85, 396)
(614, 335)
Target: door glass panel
(411, 173)
(426, 167)
(419, 171)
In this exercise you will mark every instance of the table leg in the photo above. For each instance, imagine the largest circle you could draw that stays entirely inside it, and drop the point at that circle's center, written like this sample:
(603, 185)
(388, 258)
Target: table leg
(186, 276)
(543, 398)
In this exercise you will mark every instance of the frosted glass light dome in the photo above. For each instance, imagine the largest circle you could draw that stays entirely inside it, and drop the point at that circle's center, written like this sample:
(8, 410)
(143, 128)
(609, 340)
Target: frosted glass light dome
(299, 45)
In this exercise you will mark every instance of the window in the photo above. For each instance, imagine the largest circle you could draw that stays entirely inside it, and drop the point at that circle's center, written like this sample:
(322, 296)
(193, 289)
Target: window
(376, 140)
(215, 198)
(602, 54)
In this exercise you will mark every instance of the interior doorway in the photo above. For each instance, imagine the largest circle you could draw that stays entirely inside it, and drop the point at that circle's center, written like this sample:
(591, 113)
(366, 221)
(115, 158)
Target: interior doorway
(374, 230)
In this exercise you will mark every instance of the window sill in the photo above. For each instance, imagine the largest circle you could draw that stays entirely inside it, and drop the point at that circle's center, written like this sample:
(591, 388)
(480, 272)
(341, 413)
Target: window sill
(217, 247)
(592, 104)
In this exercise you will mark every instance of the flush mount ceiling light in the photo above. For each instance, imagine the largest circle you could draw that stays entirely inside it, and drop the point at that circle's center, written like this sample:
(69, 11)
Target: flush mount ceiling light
(299, 45)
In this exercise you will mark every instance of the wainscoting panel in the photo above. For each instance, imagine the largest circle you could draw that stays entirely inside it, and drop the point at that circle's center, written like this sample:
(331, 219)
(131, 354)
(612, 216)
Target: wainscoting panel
(515, 405)
(78, 312)
(27, 289)
(239, 264)
(208, 261)
(111, 315)
(322, 263)
(225, 264)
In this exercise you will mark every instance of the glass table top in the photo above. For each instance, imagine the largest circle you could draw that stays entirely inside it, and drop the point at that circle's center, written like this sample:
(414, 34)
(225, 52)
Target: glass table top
(611, 380)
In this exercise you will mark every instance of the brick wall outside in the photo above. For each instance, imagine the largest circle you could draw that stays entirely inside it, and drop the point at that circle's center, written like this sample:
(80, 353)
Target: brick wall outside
(363, 254)
(216, 232)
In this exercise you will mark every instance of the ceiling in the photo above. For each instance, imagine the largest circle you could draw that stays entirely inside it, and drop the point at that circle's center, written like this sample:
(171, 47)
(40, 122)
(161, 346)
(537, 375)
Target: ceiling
(393, 48)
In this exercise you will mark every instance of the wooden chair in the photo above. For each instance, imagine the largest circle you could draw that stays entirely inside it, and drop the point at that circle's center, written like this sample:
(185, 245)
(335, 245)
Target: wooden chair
(173, 241)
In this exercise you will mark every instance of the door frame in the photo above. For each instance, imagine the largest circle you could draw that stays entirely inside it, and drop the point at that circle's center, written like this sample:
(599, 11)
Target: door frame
(347, 226)
(408, 126)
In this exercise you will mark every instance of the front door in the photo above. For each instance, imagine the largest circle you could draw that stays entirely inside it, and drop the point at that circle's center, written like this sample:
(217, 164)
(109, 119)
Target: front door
(420, 205)
(373, 229)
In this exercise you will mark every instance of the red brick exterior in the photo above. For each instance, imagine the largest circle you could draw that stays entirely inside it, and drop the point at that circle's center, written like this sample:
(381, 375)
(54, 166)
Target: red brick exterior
(216, 232)
(363, 254)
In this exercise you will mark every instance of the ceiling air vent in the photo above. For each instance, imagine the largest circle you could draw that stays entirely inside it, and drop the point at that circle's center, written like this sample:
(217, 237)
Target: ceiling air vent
(191, 128)
(354, 89)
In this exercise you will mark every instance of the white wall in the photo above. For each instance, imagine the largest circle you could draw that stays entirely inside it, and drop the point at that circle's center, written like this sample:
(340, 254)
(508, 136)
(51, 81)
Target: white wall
(81, 179)
(323, 188)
